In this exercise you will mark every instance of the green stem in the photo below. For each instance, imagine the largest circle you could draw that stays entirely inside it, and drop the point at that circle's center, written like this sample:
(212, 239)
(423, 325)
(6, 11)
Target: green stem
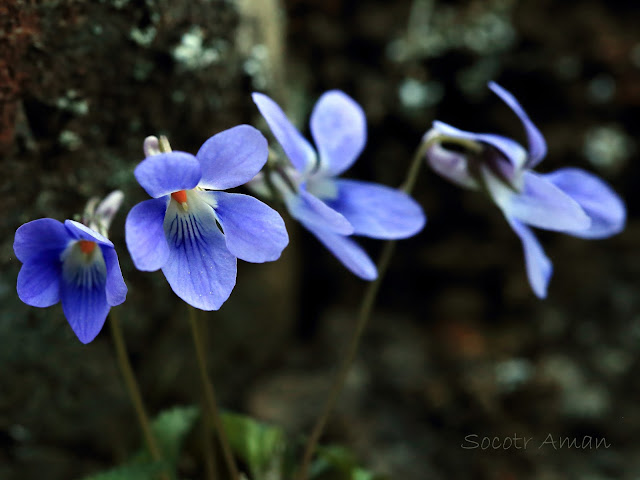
(210, 396)
(364, 313)
(209, 448)
(132, 387)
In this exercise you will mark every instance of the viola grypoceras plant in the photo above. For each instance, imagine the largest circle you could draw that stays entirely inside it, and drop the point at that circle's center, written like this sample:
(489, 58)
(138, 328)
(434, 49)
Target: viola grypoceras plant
(191, 229)
(333, 208)
(73, 264)
(568, 200)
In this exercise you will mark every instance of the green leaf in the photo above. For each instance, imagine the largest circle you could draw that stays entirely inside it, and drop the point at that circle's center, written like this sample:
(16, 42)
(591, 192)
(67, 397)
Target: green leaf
(171, 427)
(259, 445)
(339, 463)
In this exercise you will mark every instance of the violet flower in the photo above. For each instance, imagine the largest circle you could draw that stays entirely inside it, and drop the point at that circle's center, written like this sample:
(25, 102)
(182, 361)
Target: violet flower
(72, 264)
(191, 229)
(332, 208)
(569, 200)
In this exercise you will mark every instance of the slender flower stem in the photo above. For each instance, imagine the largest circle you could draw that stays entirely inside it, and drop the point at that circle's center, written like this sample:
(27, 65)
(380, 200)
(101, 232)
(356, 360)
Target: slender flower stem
(364, 313)
(209, 448)
(132, 387)
(210, 396)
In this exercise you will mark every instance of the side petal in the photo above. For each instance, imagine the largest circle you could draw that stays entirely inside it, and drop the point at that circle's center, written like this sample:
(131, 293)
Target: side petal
(308, 209)
(603, 206)
(144, 234)
(84, 301)
(347, 251)
(253, 231)
(539, 267)
(232, 157)
(200, 269)
(39, 237)
(166, 173)
(299, 151)
(115, 288)
(535, 140)
(339, 128)
(511, 149)
(78, 231)
(377, 211)
(39, 282)
(540, 204)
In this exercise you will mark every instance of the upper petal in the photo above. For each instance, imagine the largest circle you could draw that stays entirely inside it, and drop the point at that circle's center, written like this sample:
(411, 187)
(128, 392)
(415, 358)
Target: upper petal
(347, 251)
(535, 140)
(299, 151)
(84, 300)
(79, 231)
(603, 206)
(339, 128)
(540, 204)
(39, 237)
(253, 231)
(377, 211)
(39, 282)
(310, 210)
(539, 267)
(232, 157)
(169, 172)
(511, 149)
(144, 234)
(200, 268)
(115, 288)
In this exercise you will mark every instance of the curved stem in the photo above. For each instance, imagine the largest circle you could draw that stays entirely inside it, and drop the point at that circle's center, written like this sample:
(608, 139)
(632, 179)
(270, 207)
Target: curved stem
(210, 396)
(364, 313)
(132, 386)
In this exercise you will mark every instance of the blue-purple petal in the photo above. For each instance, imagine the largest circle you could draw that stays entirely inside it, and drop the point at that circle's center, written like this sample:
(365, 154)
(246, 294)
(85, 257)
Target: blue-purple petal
(310, 210)
(145, 235)
(539, 267)
(115, 288)
(84, 301)
(536, 142)
(347, 251)
(166, 173)
(39, 282)
(40, 237)
(377, 211)
(232, 157)
(512, 150)
(603, 206)
(253, 231)
(339, 128)
(540, 204)
(297, 148)
(78, 231)
(200, 269)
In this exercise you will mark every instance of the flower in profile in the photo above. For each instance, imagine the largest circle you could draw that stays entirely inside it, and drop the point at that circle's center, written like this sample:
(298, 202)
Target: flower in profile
(72, 264)
(329, 207)
(191, 229)
(568, 200)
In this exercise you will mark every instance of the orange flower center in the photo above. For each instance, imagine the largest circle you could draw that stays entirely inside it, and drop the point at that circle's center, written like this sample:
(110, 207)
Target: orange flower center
(180, 196)
(87, 246)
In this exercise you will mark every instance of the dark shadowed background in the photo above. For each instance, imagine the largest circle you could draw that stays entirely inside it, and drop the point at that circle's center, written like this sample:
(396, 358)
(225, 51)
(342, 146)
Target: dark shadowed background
(458, 344)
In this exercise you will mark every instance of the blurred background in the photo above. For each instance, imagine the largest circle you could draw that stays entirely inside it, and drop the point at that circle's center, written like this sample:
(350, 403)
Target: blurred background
(458, 344)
